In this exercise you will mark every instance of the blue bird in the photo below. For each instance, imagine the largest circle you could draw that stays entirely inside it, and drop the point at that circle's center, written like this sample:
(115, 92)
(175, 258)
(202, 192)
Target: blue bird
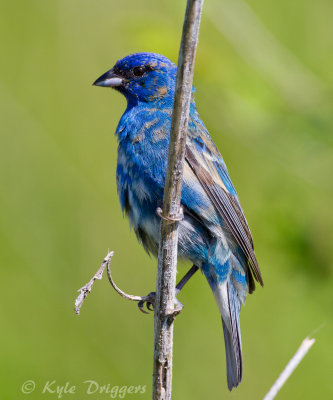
(214, 234)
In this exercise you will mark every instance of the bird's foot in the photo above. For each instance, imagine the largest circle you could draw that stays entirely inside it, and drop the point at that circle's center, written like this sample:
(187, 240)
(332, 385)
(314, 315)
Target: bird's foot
(149, 302)
(176, 218)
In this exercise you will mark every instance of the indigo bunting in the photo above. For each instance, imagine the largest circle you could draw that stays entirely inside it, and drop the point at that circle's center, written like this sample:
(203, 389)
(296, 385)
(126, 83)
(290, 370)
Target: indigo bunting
(213, 234)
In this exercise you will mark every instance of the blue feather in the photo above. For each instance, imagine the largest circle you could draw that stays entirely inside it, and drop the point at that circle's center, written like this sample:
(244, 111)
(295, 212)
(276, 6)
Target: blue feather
(214, 234)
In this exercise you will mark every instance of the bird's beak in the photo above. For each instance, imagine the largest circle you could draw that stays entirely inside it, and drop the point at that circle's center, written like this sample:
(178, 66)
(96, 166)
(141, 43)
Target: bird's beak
(109, 79)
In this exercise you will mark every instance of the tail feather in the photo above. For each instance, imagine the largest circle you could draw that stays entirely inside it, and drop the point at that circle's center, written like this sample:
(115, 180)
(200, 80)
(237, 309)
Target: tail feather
(232, 340)
(229, 285)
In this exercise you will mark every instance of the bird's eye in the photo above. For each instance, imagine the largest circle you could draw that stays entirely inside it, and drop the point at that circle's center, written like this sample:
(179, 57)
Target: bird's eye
(138, 71)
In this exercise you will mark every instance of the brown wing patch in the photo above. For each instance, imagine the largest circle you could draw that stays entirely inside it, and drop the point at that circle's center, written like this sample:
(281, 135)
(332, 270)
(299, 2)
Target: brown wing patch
(225, 204)
(241, 217)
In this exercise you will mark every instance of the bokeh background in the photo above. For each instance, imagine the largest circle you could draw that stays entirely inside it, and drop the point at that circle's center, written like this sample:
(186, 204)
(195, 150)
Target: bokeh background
(264, 79)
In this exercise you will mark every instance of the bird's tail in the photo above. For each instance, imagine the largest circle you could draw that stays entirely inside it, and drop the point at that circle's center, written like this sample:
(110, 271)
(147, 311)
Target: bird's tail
(229, 303)
(232, 341)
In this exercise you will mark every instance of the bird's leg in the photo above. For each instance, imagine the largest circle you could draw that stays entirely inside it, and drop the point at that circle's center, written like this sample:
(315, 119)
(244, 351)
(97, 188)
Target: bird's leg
(186, 278)
(149, 300)
(181, 284)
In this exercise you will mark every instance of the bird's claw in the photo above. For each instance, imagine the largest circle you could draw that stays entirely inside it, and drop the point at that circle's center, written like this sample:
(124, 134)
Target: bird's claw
(149, 301)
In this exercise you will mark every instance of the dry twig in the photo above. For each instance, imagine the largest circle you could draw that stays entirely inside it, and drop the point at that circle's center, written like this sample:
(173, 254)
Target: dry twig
(289, 369)
(86, 289)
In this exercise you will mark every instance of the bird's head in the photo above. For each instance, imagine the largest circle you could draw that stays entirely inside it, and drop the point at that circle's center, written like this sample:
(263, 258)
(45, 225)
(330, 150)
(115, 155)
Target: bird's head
(142, 77)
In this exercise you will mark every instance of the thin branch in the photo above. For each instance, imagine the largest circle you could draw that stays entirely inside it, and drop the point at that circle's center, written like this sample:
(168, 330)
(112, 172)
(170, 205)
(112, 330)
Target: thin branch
(148, 300)
(121, 292)
(86, 289)
(167, 255)
(291, 366)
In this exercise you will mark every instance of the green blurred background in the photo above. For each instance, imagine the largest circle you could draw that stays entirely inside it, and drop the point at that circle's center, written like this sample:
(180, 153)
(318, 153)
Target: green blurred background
(264, 79)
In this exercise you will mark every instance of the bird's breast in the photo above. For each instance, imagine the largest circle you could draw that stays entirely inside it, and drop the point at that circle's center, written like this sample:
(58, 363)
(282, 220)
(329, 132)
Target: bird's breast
(140, 190)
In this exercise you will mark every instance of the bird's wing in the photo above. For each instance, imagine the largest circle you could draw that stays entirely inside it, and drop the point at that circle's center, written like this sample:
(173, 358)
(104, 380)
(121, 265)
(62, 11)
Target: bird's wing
(207, 164)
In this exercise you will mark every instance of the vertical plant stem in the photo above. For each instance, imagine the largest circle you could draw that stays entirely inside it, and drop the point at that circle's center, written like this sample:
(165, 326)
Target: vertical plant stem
(167, 256)
(289, 369)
